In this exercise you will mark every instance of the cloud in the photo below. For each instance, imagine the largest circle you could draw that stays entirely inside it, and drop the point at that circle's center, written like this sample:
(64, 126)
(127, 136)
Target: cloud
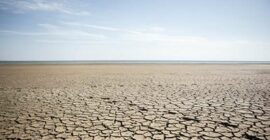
(148, 29)
(67, 32)
(65, 41)
(91, 26)
(156, 29)
(63, 31)
(58, 32)
(151, 29)
(167, 39)
(22, 33)
(18, 6)
(49, 26)
(152, 33)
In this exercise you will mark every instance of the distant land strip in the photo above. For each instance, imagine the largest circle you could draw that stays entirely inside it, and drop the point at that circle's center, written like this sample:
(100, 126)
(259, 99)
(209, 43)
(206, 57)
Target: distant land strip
(133, 62)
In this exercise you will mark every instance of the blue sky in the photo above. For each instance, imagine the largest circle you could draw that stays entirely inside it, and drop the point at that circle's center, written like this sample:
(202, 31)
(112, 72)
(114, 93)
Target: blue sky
(135, 30)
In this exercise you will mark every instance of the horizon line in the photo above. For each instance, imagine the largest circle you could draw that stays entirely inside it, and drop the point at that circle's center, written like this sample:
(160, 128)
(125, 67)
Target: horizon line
(132, 62)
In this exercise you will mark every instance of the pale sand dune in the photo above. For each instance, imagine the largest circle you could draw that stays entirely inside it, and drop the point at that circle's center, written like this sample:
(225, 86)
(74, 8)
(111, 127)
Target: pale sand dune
(135, 101)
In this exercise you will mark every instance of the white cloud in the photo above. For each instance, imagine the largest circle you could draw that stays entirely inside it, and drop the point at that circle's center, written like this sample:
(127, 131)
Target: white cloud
(91, 26)
(65, 41)
(48, 26)
(69, 32)
(18, 6)
(147, 35)
(166, 39)
(22, 33)
(151, 29)
(63, 31)
(156, 29)
(58, 32)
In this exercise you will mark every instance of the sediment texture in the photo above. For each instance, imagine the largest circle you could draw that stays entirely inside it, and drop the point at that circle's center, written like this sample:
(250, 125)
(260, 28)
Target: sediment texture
(135, 102)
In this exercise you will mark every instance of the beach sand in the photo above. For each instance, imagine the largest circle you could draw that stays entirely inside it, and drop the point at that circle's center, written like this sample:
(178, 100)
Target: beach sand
(140, 101)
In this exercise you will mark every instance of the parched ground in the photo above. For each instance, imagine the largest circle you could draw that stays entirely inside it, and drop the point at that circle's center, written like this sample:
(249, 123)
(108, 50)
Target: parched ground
(135, 102)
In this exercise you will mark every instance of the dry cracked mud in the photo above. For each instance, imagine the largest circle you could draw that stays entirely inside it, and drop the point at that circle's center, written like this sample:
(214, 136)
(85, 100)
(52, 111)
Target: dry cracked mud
(135, 102)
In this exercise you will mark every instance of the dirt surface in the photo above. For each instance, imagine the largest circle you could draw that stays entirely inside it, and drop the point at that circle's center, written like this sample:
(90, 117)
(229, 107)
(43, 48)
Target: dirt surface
(135, 102)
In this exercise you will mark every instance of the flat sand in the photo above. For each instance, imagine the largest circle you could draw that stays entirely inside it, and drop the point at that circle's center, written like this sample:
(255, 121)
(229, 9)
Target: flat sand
(135, 101)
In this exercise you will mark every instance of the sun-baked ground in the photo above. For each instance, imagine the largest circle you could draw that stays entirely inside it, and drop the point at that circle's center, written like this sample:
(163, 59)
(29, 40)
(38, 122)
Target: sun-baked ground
(135, 101)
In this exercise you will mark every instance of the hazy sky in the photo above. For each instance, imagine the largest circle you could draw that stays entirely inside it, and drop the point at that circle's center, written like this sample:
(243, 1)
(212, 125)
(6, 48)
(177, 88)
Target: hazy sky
(135, 30)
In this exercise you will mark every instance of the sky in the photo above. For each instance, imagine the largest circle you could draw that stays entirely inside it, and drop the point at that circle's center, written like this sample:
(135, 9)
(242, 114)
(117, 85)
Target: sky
(222, 30)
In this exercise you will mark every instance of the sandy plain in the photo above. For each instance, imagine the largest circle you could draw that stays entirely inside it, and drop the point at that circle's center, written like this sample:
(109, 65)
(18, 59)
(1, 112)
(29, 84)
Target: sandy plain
(135, 102)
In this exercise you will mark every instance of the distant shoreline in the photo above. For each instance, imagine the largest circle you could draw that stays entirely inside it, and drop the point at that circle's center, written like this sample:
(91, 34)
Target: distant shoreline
(134, 62)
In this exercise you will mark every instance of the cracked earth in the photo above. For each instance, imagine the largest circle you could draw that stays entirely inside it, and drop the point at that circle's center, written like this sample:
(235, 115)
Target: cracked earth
(135, 102)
